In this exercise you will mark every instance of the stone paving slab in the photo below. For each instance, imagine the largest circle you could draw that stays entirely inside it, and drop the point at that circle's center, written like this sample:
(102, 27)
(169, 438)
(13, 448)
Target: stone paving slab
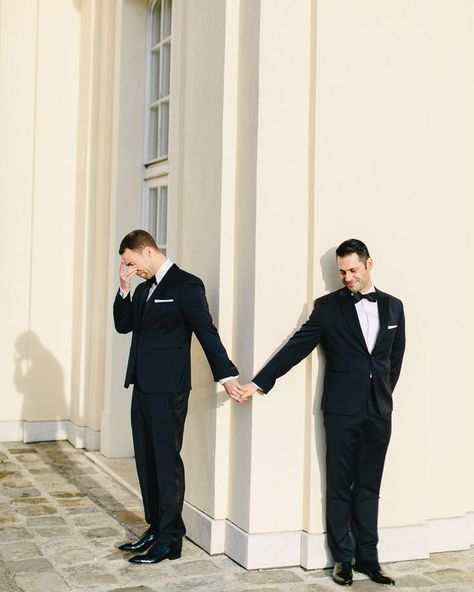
(62, 518)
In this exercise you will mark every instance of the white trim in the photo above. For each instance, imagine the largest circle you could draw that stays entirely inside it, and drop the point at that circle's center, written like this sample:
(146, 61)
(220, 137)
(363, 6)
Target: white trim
(257, 551)
(45, 431)
(262, 550)
(315, 553)
(148, 68)
(283, 549)
(158, 169)
(82, 436)
(11, 431)
(449, 534)
(208, 533)
(403, 543)
(236, 543)
(470, 526)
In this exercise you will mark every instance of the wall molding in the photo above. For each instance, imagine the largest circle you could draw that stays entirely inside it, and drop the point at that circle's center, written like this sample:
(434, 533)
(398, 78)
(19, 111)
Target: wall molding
(11, 431)
(46, 431)
(209, 533)
(315, 553)
(449, 534)
(283, 549)
(470, 524)
(262, 550)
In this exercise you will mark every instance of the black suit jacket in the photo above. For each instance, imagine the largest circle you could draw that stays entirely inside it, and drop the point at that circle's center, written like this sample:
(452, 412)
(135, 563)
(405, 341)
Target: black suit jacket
(160, 359)
(349, 365)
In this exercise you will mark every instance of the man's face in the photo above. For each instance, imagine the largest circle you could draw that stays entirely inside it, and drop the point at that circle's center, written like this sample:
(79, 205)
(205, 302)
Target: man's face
(140, 261)
(354, 273)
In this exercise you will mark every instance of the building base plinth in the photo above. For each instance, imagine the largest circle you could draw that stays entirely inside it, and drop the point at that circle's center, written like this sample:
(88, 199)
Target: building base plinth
(47, 431)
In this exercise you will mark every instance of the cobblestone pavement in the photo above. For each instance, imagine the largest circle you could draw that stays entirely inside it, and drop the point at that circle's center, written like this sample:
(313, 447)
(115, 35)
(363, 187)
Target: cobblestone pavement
(62, 517)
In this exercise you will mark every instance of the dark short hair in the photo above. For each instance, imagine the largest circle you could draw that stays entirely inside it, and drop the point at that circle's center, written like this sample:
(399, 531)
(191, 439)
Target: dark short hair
(137, 240)
(351, 246)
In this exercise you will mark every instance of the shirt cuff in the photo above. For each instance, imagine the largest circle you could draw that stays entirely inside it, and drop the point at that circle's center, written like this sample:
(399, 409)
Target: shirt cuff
(123, 294)
(224, 380)
(259, 390)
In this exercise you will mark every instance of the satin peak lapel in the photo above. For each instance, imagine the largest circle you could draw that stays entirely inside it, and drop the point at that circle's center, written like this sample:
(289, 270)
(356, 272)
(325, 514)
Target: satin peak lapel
(382, 304)
(141, 302)
(159, 289)
(348, 309)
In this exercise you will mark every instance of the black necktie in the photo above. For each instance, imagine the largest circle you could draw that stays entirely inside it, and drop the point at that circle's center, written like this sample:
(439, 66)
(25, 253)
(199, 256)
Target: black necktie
(151, 282)
(148, 285)
(371, 296)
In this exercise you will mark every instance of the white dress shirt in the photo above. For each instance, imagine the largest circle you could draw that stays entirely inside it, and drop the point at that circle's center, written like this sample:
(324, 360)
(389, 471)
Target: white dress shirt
(368, 314)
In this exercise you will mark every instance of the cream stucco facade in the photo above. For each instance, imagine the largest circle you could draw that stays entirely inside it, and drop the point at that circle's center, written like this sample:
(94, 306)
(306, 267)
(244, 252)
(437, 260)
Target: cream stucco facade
(293, 126)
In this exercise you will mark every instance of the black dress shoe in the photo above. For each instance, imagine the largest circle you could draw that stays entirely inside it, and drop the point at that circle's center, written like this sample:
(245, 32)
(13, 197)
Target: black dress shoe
(142, 544)
(374, 571)
(342, 573)
(157, 552)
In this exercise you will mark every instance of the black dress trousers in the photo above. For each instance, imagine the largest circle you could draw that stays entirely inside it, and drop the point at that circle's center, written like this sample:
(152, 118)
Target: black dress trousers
(157, 428)
(356, 446)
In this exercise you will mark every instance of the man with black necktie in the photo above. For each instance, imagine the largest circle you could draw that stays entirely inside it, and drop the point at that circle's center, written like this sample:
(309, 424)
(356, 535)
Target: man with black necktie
(163, 314)
(362, 331)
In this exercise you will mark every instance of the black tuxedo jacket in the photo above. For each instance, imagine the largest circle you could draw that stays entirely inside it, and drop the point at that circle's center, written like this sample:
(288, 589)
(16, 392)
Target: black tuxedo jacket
(351, 370)
(159, 357)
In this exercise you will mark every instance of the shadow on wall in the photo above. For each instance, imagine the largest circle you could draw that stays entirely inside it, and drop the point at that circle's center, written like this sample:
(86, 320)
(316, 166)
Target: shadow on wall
(39, 377)
(329, 270)
(332, 282)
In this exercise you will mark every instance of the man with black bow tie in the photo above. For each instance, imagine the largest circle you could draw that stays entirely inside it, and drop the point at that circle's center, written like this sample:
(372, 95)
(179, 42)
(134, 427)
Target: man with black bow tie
(163, 314)
(362, 331)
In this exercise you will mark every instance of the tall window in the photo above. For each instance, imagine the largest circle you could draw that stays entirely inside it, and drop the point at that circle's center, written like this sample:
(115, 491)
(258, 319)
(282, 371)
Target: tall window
(158, 214)
(155, 210)
(159, 80)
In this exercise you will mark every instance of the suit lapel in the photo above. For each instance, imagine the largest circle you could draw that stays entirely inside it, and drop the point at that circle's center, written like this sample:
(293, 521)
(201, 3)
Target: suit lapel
(348, 309)
(141, 298)
(159, 289)
(382, 304)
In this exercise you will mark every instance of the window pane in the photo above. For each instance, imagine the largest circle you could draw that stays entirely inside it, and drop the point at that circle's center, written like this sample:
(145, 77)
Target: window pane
(162, 217)
(163, 129)
(153, 134)
(154, 75)
(156, 24)
(152, 208)
(165, 72)
(166, 18)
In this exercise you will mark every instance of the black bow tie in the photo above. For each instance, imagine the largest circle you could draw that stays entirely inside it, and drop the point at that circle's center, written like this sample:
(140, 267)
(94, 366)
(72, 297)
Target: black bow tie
(151, 281)
(371, 296)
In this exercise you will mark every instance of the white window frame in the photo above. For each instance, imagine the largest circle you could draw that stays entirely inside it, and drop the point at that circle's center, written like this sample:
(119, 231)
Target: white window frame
(156, 170)
(160, 100)
(166, 171)
(152, 225)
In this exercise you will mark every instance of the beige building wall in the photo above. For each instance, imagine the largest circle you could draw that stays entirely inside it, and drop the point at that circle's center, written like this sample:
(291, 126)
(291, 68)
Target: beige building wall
(294, 125)
(201, 226)
(394, 153)
(40, 77)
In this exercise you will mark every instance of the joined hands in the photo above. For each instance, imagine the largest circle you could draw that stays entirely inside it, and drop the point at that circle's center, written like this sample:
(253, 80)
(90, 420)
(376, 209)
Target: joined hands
(240, 393)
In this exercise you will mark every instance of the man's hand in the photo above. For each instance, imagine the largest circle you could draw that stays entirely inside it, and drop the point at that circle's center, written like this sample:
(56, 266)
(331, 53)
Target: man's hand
(234, 390)
(249, 390)
(126, 274)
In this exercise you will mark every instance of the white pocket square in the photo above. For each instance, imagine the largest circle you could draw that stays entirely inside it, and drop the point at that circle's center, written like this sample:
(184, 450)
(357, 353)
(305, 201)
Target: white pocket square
(169, 300)
(389, 327)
